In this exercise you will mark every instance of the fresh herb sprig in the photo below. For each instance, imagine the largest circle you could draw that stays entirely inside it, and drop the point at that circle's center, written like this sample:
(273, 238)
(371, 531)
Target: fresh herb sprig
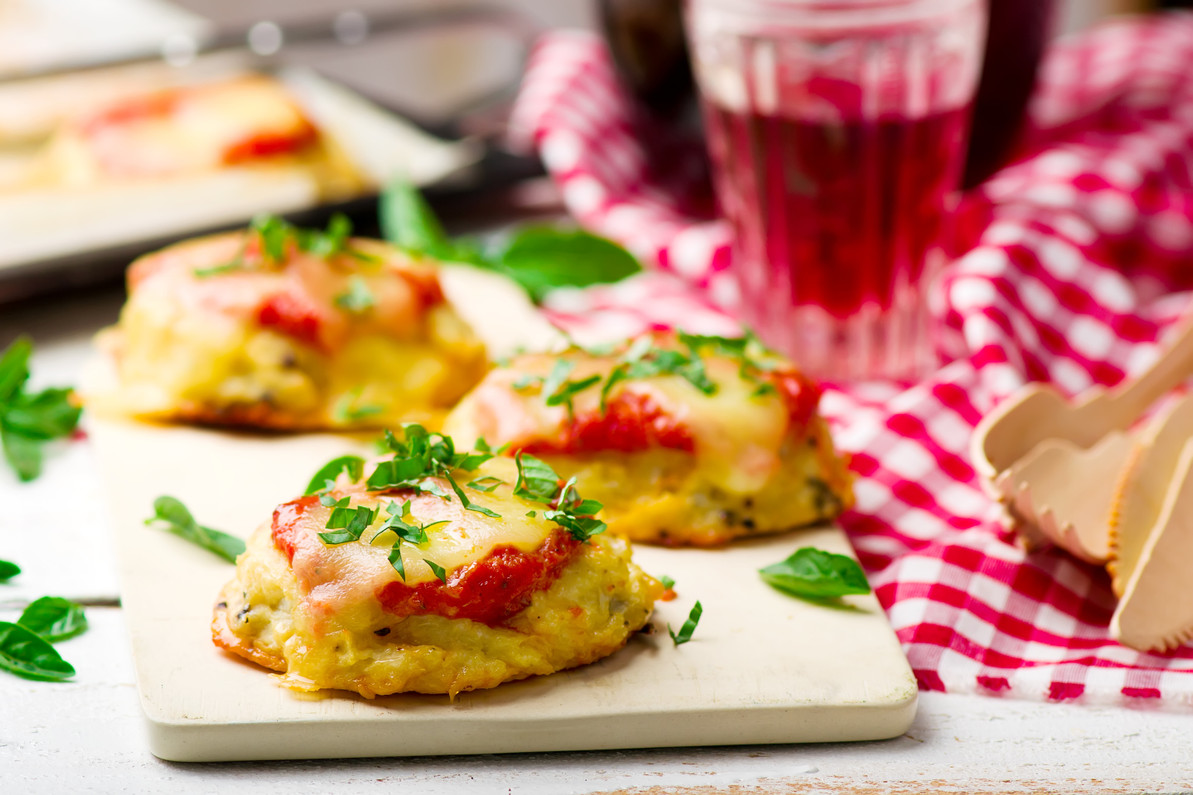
(539, 258)
(421, 455)
(689, 627)
(538, 482)
(30, 419)
(54, 618)
(816, 575)
(276, 237)
(325, 478)
(26, 646)
(418, 460)
(643, 358)
(27, 654)
(348, 522)
(8, 570)
(171, 515)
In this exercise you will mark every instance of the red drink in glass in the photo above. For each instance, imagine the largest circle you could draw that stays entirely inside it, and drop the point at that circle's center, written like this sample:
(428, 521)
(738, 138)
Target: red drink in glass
(837, 132)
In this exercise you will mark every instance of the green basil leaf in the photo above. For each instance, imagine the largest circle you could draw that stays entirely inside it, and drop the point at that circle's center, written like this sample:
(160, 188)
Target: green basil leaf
(171, 515)
(219, 270)
(542, 258)
(408, 222)
(352, 522)
(537, 481)
(358, 299)
(275, 232)
(688, 628)
(22, 453)
(27, 654)
(45, 415)
(325, 244)
(8, 570)
(485, 484)
(811, 573)
(412, 533)
(468, 504)
(14, 367)
(581, 528)
(569, 389)
(438, 570)
(395, 560)
(354, 465)
(54, 618)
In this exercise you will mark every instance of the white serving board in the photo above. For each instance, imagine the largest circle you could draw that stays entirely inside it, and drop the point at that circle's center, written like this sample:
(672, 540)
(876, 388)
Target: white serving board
(762, 667)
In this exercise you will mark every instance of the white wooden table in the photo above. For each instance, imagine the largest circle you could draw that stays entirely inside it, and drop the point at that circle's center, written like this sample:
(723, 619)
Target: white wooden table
(87, 735)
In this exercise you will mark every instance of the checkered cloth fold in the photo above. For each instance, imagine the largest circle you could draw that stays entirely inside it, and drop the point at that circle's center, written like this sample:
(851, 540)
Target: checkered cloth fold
(1074, 261)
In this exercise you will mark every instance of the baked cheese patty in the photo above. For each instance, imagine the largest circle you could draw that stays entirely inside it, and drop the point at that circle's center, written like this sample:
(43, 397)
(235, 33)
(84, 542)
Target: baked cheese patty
(686, 440)
(283, 328)
(247, 121)
(426, 593)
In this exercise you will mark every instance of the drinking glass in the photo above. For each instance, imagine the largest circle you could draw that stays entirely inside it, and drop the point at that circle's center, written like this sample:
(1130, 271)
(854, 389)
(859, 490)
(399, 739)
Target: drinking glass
(837, 131)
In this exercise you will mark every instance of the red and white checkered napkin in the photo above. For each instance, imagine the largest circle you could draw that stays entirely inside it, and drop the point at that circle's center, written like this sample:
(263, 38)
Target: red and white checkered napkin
(1075, 261)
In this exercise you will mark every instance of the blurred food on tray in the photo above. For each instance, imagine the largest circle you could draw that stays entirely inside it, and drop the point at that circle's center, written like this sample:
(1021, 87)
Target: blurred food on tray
(242, 121)
(165, 153)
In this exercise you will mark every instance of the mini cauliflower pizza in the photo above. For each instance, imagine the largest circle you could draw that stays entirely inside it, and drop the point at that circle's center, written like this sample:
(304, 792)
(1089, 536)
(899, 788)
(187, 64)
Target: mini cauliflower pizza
(289, 329)
(437, 572)
(686, 440)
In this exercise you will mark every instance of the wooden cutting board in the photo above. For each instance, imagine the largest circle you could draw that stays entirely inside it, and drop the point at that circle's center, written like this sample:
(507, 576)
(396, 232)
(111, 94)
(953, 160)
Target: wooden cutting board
(762, 667)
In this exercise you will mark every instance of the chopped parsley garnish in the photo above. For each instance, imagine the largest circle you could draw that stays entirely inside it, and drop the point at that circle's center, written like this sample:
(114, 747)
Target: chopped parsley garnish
(30, 419)
(219, 270)
(538, 482)
(420, 455)
(525, 382)
(667, 582)
(275, 236)
(468, 504)
(689, 626)
(405, 530)
(350, 522)
(563, 394)
(349, 409)
(171, 515)
(325, 478)
(333, 240)
(274, 233)
(485, 484)
(558, 390)
(8, 570)
(395, 560)
(358, 299)
(419, 459)
(814, 574)
(644, 359)
(437, 570)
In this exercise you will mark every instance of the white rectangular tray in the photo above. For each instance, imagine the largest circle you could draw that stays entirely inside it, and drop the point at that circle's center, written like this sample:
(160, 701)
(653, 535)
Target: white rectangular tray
(761, 668)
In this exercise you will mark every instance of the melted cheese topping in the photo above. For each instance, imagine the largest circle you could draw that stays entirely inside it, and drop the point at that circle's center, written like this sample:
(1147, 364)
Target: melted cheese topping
(735, 435)
(300, 297)
(338, 577)
(274, 345)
